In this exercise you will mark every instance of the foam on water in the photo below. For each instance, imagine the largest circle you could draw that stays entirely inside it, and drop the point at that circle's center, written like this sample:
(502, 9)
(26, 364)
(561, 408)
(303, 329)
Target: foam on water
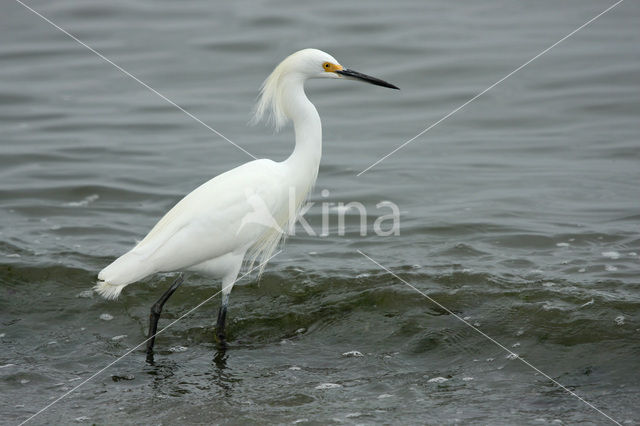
(611, 254)
(84, 202)
(324, 386)
(353, 354)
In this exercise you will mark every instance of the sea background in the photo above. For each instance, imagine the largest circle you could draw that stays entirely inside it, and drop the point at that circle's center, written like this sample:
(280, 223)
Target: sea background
(519, 213)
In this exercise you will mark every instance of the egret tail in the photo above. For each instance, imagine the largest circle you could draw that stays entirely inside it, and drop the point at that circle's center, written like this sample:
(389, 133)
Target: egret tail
(125, 270)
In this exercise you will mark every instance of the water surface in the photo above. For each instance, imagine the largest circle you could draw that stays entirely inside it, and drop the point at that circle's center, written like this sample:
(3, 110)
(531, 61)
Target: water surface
(519, 213)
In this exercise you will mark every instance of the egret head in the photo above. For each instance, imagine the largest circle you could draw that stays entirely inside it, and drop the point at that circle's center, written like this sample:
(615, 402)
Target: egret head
(296, 68)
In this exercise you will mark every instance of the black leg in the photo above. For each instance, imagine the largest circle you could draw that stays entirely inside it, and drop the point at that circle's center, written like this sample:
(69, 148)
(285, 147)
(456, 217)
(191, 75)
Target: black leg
(156, 310)
(220, 325)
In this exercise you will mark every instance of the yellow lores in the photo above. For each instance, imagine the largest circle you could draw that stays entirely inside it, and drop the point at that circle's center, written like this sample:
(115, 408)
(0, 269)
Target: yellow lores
(329, 67)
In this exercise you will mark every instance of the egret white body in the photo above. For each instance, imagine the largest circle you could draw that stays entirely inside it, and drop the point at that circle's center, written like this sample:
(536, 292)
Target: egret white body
(243, 213)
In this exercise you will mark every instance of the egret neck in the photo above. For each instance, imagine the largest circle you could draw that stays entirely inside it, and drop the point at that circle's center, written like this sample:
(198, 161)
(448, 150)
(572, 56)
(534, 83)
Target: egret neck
(305, 159)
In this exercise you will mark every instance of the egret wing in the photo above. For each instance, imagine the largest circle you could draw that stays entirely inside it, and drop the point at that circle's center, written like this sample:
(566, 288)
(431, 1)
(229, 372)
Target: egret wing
(226, 214)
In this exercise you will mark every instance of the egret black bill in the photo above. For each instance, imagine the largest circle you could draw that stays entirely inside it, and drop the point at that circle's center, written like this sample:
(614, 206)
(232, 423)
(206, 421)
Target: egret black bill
(355, 75)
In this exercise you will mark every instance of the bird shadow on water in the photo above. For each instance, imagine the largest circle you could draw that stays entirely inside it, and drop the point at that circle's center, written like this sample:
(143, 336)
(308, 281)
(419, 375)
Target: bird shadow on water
(169, 379)
(221, 374)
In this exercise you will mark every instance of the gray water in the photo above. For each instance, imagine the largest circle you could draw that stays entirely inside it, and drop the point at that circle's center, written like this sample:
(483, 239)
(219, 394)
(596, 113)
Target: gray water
(518, 213)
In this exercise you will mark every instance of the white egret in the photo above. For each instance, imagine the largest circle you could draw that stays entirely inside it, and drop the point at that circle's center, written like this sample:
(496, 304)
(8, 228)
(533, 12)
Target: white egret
(241, 214)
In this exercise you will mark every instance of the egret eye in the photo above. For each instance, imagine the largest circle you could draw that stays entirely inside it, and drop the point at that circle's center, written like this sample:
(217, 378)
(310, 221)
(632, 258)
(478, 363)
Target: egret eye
(327, 65)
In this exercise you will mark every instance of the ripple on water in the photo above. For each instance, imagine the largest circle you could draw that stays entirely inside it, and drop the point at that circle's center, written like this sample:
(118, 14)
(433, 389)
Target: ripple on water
(520, 218)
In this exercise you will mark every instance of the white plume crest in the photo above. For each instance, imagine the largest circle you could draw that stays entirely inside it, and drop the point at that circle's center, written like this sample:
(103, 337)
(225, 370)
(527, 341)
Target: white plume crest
(301, 65)
(269, 104)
